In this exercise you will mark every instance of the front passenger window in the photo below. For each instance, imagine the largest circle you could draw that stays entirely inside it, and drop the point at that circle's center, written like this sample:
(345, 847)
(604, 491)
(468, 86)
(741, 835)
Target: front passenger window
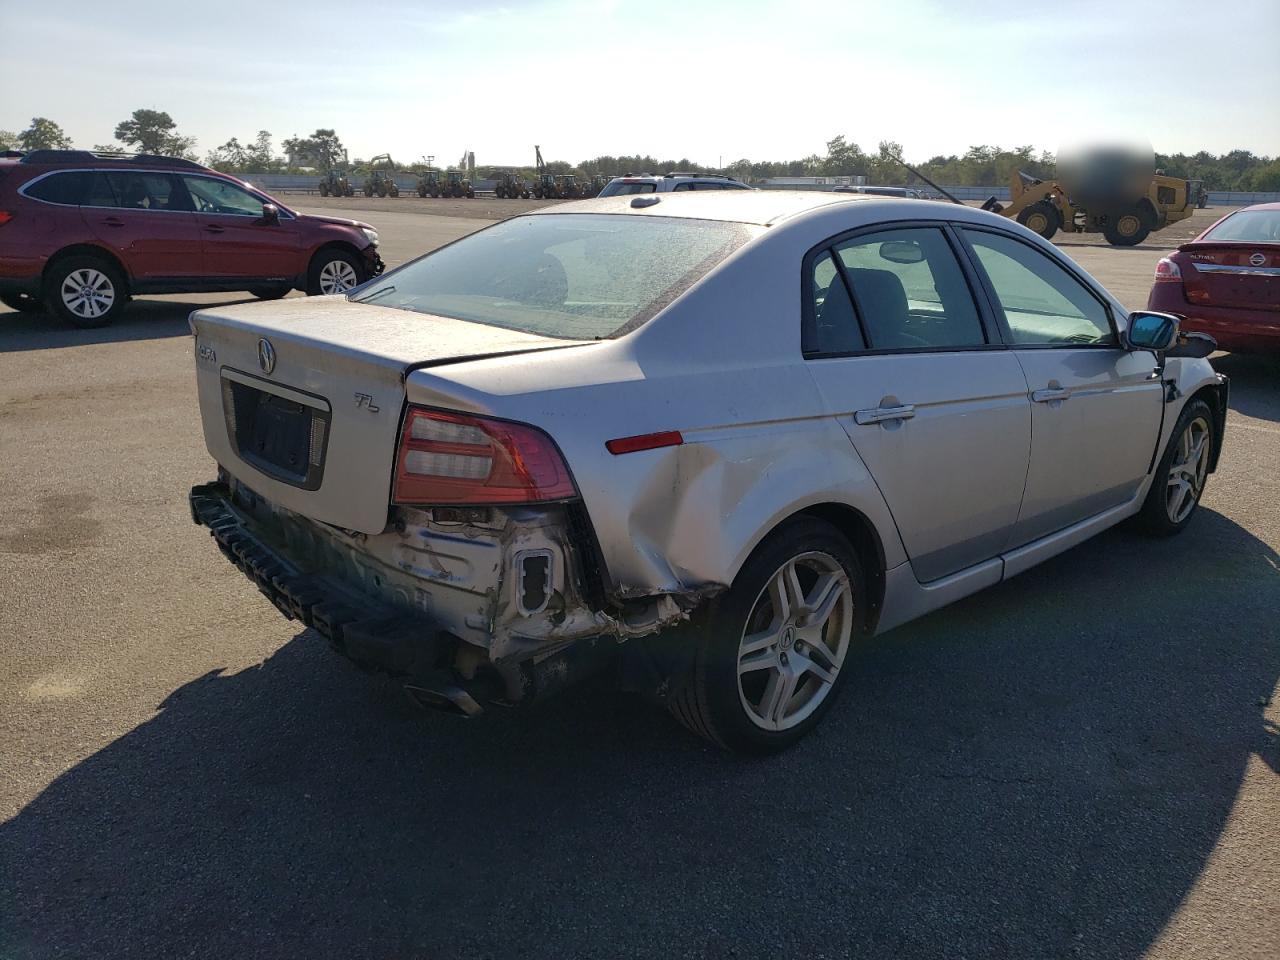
(1043, 304)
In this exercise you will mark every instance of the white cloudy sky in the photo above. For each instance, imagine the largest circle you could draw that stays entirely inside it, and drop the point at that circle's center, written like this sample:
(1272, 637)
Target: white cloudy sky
(704, 80)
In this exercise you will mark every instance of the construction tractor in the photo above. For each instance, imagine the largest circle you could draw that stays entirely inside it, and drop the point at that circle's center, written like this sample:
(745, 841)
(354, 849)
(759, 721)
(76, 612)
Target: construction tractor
(510, 185)
(380, 181)
(1044, 207)
(335, 184)
(429, 184)
(456, 185)
(597, 183)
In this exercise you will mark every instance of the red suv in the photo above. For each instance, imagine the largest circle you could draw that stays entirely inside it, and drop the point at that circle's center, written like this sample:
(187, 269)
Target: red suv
(81, 232)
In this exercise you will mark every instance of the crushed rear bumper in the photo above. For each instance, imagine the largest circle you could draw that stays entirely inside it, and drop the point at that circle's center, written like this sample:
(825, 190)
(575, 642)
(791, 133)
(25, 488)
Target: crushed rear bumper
(404, 644)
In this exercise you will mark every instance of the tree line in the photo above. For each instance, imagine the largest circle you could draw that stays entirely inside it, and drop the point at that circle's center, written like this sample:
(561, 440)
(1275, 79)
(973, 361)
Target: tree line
(154, 131)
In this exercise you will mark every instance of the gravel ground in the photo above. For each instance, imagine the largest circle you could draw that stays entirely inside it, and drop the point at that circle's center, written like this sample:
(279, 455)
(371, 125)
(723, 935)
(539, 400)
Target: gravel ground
(1082, 762)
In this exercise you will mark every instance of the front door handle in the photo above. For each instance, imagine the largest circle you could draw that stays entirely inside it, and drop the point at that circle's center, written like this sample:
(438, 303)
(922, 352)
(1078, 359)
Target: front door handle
(903, 411)
(215, 228)
(113, 222)
(1050, 394)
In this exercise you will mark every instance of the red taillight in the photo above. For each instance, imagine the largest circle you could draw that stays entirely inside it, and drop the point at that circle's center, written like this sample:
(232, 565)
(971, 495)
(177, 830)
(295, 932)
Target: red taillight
(452, 458)
(1167, 270)
(5, 217)
(647, 441)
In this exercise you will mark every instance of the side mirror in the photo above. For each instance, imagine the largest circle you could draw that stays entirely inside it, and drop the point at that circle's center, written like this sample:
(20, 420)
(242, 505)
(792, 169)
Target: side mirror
(1151, 331)
(270, 214)
(901, 251)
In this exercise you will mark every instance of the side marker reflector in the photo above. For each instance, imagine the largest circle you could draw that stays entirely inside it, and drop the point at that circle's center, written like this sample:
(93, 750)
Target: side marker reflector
(647, 441)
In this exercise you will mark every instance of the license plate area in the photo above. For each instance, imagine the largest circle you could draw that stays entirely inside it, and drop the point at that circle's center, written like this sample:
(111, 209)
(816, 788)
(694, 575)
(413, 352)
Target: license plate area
(281, 432)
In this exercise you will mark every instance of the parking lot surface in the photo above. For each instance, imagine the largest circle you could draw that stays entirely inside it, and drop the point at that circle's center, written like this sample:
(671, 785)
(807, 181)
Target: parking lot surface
(1081, 762)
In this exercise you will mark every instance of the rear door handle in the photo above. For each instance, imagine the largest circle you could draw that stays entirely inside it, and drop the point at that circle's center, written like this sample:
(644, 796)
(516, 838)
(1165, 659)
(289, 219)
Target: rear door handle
(904, 411)
(215, 228)
(1050, 394)
(113, 222)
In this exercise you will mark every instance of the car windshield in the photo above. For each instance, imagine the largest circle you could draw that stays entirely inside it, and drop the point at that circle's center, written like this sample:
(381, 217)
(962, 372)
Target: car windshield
(1248, 226)
(574, 276)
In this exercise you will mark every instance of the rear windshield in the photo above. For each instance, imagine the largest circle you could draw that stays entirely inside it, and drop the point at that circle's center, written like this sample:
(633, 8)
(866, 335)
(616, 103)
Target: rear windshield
(574, 276)
(1248, 226)
(620, 188)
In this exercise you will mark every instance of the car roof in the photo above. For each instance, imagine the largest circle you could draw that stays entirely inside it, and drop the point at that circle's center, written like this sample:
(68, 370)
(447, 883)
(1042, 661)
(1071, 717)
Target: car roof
(761, 207)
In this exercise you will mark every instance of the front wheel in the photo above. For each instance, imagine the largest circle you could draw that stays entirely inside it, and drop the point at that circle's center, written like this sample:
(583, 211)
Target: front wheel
(1042, 218)
(22, 302)
(776, 646)
(1180, 476)
(334, 271)
(85, 291)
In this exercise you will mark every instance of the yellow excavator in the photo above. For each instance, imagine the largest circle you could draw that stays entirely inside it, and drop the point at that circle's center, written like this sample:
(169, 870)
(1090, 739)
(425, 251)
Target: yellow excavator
(1044, 207)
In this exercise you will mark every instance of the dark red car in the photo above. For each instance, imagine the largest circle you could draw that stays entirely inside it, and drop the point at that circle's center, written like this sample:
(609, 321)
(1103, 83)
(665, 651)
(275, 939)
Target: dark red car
(1226, 281)
(80, 233)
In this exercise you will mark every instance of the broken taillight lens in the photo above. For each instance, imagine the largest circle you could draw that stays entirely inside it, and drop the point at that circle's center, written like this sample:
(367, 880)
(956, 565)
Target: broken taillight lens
(452, 458)
(1167, 271)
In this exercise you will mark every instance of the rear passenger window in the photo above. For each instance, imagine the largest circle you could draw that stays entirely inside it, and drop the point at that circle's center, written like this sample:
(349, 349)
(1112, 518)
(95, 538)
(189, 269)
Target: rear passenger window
(64, 188)
(834, 327)
(1043, 304)
(910, 291)
(139, 191)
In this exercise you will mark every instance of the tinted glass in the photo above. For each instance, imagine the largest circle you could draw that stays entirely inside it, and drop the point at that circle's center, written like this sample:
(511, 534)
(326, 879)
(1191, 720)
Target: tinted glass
(578, 276)
(682, 186)
(617, 189)
(141, 191)
(1043, 304)
(65, 188)
(906, 304)
(1248, 226)
(218, 196)
(835, 326)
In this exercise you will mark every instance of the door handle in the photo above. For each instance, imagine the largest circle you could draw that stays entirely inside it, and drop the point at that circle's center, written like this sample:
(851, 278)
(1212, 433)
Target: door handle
(215, 228)
(904, 411)
(1050, 394)
(113, 222)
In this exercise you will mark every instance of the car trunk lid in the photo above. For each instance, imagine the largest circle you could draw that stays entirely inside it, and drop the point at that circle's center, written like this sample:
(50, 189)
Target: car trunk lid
(302, 399)
(1232, 274)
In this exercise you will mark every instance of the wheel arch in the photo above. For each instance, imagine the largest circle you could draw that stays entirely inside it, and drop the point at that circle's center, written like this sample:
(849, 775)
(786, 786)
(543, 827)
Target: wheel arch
(345, 246)
(1215, 395)
(856, 527)
(86, 250)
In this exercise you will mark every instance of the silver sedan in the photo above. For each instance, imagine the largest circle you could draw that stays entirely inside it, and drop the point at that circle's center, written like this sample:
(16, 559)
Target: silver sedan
(712, 440)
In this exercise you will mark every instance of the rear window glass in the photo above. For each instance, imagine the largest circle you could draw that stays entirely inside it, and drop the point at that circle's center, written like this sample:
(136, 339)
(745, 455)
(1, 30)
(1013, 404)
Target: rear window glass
(66, 188)
(575, 276)
(1248, 226)
(620, 188)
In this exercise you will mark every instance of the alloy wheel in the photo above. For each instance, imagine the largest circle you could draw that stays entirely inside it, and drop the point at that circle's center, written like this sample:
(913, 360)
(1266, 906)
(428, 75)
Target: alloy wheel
(1188, 470)
(795, 641)
(337, 276)
(87, 293)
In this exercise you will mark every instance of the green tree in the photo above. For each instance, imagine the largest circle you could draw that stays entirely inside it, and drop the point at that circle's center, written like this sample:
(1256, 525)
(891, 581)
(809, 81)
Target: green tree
(153, 131)
(9, 140)
(322, 150)
(44, 134)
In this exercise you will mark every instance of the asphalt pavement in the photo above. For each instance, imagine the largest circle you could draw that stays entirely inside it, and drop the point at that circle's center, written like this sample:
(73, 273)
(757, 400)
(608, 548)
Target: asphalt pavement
(1082, 762)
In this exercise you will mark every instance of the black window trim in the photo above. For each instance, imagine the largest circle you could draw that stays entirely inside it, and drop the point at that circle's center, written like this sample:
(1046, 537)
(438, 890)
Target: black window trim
(993, 333)
(285, 212)
(998, 311)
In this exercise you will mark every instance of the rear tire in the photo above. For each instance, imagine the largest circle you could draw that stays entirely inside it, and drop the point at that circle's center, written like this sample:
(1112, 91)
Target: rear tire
(1127, 228)
(22, 302)
(1042, 218)
(86, 291)
(788, 684)
(334, 271)
(269, 293)
(1181, 474)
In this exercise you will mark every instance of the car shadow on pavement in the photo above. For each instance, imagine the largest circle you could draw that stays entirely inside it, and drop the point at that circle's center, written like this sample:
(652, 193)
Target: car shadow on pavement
(1255, 383)
(143, 320)
(1041, 770)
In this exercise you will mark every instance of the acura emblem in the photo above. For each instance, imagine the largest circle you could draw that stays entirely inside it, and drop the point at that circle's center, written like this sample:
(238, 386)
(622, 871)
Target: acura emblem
(1258, 259)
(266, 355)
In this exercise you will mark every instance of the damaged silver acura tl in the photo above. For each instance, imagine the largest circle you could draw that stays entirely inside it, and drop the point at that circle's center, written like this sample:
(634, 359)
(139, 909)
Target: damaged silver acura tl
(713, 439)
